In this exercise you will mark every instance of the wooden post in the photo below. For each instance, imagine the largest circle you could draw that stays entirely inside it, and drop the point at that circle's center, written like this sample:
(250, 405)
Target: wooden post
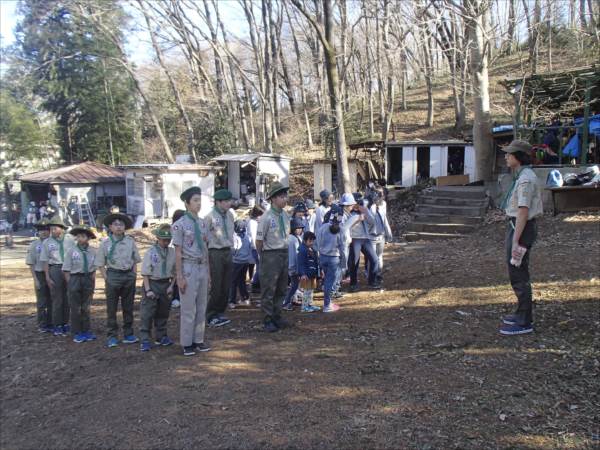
(586, 122)
(517, 115)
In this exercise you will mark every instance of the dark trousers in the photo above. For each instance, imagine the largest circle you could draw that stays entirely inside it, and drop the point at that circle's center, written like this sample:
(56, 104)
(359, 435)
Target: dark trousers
(220, 265)
(294, 283)
(119, 286)
(368, 249)
(81, 289)
(519, 276)
(238, 282)
(274, 275)
(60, 302)
(155, 309)
(43, 301)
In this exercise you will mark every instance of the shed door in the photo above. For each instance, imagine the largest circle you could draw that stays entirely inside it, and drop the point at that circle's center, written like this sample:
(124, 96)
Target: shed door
(438, 161)
(409, 166)
(470, 163)
(233, 178)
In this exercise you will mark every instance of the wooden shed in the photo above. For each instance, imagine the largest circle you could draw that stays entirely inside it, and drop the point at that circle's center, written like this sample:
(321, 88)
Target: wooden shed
(153, 190)
(249, 175)
(408, 162)
(325, 175)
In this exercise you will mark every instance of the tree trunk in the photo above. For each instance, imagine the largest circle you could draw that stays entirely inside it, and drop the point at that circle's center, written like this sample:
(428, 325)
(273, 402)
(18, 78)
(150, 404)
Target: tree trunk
(482, 124)
(268, 104)
(510, 34)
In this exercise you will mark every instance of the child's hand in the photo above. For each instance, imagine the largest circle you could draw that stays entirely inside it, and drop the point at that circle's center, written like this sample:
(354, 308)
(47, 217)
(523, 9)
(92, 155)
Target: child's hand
(149, 294)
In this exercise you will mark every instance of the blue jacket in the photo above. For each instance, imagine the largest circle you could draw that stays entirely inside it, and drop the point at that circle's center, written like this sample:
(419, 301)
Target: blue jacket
(308, 262)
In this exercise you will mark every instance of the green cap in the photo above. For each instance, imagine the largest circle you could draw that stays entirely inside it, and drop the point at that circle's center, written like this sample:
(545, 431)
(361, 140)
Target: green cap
(517, 146)
(276, 188)
(118, 216)
(82, 229)
(163, 231)
(56, 221)
(223, 194)
(42, 224)
(189, 192)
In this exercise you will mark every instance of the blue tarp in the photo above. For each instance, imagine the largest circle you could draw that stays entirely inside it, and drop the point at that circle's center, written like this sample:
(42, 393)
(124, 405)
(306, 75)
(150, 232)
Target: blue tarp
(572, 148)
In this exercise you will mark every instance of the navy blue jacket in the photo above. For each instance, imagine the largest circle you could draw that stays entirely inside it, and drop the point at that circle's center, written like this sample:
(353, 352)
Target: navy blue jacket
(308, 262)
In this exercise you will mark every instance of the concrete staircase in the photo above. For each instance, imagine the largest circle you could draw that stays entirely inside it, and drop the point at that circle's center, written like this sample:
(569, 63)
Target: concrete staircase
(447, 212)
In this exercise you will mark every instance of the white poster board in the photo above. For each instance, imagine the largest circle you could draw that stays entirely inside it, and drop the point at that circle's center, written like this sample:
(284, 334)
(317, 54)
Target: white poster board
(409, 166)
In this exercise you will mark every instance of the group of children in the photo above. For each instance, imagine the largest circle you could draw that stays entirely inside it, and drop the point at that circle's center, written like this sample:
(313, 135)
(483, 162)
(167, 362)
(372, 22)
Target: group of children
(206, 261)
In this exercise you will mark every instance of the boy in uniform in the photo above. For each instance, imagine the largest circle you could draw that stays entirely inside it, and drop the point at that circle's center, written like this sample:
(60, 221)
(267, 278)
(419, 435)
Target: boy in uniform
(42, 292)
(220, 223)
(272, 247)
(80, 272)
(53, 256)
(191, 265)
(158, 270)
(117, 260)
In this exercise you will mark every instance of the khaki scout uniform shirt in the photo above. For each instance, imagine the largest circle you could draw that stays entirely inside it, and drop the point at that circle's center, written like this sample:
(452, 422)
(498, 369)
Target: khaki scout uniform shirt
(220, 228)
(33, 255)
(269, 230)
(74, 260)
(51, 250)
(526, 192)
(124, 256)
(152, 264)
(184, 236)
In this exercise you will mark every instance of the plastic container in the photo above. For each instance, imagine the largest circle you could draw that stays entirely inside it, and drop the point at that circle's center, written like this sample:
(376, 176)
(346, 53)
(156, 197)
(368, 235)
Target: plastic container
(516, 261)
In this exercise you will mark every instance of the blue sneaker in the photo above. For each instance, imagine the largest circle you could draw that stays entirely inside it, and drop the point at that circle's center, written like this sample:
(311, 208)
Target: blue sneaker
(65, 329)
(79, 338)
(89, 336)
(511, 319)
(131, 339)
(58, 331)
(112, 342)
(513, 330)
(164, 341)
(145, 346)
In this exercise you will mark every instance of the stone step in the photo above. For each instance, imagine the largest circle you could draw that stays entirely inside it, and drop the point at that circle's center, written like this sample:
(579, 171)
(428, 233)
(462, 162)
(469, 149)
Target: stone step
(475, 192)
(471, 211)
(450, 228)
(445, 218)
(441, 201)
(424, 236)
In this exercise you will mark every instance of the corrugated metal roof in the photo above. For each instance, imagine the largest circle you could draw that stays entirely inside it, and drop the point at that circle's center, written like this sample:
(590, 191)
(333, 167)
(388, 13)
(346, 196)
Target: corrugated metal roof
(442, 142)
(248, 157)
(169, 167)
(83, 173)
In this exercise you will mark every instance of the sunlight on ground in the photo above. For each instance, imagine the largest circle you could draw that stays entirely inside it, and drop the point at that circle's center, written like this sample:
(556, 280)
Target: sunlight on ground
(568, 441)
(583, 218)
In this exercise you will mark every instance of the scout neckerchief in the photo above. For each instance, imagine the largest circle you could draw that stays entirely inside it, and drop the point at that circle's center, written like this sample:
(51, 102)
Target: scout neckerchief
(163, 256)
(61, 247)
(279, 212)
(512, 188)
(197, 233)
(113, 245)
(224, 217)
(83, 251)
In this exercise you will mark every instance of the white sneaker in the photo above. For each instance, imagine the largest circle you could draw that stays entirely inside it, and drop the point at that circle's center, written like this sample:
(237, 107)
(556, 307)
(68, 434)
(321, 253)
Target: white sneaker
(175, 303)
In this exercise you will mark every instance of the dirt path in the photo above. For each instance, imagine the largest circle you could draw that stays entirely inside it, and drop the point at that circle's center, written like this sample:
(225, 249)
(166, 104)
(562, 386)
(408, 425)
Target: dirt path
(418, 366)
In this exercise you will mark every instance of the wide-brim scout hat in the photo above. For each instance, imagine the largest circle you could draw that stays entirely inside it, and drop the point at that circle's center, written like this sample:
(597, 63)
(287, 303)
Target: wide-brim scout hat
(276, 188)
(78, 229)
(43, 224)
(118, 216)
(56, 221)
(223, 194)
(296, 223)
(517, 146)
(189, 192)
(163, 231)
(324, 194)
(300, 207)
(347, 199)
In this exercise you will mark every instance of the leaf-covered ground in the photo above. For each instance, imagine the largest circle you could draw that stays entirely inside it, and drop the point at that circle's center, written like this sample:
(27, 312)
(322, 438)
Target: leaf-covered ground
(420, 365)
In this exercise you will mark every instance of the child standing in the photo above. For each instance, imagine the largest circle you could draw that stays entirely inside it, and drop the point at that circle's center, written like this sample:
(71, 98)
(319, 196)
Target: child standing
(271, 244)
(117, 260)
(220, 223)
(80, 271)
(294, 242)
(242, 258)
(53, 256)
(310, 217)
(191, 266)
(332, 250)
(158, 270)
(42, 293)
(255, 214)
(308, 270)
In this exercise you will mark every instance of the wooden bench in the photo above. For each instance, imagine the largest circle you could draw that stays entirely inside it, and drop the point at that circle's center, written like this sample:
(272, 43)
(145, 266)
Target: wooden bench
(575, 198)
